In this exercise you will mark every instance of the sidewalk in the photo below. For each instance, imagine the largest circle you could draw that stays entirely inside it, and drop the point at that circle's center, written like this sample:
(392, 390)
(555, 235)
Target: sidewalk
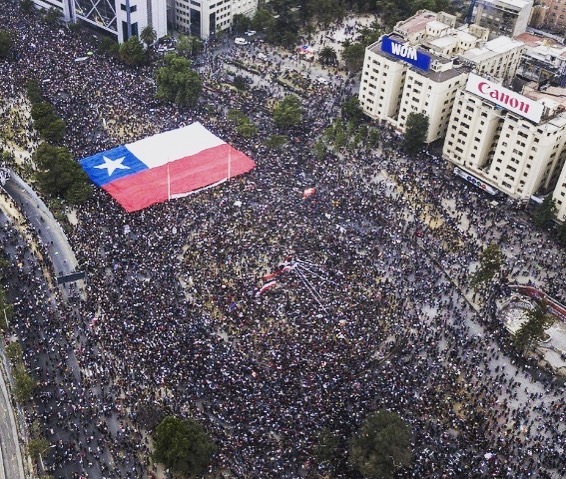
(11, 461)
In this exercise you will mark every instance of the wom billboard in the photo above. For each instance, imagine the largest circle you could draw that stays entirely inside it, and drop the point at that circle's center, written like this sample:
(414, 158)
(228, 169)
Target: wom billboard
(404, 52)
(527, 108)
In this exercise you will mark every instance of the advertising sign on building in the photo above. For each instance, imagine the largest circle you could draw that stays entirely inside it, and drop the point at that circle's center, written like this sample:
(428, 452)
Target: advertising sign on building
(404, 52)
(475, 181)
(519, 104)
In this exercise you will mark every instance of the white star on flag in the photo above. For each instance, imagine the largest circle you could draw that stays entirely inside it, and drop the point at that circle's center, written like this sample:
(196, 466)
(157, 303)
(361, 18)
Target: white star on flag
(112, 165)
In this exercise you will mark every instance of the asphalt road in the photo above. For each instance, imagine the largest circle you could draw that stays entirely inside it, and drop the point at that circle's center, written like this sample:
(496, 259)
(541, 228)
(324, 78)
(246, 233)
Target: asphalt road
(51, 234)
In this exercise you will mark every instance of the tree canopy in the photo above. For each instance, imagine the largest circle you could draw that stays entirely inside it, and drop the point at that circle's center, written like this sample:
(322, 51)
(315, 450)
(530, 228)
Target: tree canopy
(532, 330)
(545, 212)
(59, 175)
(50, 126)
(416, 132)
(353, 56)
(381, 446)
(288, 112)
(177, 82)
(182, 445)
(148, 35)
(491, 262)
(6, 44)
(132, 51)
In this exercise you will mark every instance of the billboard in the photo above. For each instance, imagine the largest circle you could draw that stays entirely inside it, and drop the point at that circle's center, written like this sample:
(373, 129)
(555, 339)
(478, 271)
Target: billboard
(404, 52)
(514, 102)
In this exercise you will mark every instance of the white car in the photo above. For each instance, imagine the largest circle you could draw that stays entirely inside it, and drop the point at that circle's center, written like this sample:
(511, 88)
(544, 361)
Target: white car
(250, 33)
(323, 81)
(241, 41)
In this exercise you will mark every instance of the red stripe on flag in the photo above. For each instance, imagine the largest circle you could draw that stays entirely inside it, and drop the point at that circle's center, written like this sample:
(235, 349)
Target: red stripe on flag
(182, 176)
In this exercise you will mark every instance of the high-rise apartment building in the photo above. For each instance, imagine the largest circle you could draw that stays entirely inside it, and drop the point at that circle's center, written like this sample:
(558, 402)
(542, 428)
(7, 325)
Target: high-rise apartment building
(121, 18)
(503, 17)
(204, 18)
(550, 15)
(422, 64)
(510, 141)
(559, 195)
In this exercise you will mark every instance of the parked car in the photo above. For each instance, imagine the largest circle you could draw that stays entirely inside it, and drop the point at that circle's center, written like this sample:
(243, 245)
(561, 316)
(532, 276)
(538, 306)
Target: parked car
(250, 33)
(241, 41)
(322, 80)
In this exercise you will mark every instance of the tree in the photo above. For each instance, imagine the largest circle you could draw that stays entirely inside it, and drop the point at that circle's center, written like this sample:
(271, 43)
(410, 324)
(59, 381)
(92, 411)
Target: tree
(241, 23)
(188, 46)
(34, 92)
(351, 111)
(182, 445)
(353, 56)
(263, 18)
(275, 142)
(546, 212)
(148, 35)
(37, 447)
(108, 45)
(54, 131)
(288, 112)
(532, 330)
(59, 175)
(177, 82)
(26, 6)
(6, 44)
(132, 51)
(247, 129)
(416, 132)
(52, 16)
(327, 56)
(327, 443)
(382, 446)
(43, 115)
(240, 82)
(14, 353)
(24, 385)
(491, 262)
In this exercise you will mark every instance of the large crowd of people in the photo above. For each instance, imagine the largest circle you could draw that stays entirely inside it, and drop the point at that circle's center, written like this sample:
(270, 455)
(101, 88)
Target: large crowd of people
(173, 322)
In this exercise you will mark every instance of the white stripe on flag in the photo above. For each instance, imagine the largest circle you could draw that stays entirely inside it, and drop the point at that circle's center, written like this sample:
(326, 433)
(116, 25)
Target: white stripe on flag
(157, 150)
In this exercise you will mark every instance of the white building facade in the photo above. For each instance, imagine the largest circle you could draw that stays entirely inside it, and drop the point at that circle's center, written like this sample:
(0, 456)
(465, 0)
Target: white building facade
(421, 66)
(121, 18)
(559, 196)
(205, 18)
(506, 140)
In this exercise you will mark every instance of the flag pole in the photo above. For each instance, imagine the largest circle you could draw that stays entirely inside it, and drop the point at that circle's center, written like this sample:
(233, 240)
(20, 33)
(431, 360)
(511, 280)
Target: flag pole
(168, 183)
(229, 162)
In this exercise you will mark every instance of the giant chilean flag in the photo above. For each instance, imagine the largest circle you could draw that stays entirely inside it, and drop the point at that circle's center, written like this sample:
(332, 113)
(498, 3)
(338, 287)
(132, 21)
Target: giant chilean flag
(164, 166)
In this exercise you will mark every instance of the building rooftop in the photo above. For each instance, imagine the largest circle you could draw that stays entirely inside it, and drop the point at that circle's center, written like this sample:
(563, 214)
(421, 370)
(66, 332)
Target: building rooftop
(491, 49)
(436, 76)
(416, 23)
(512, 4)
(543, 46)
(553, 97)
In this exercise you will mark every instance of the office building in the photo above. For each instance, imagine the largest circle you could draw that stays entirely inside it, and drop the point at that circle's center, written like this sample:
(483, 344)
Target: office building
(503, 17)
(205, 18)
(120, 18)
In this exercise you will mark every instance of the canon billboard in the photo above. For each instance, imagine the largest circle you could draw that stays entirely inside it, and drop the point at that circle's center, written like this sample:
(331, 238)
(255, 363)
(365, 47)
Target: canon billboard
(530, 109)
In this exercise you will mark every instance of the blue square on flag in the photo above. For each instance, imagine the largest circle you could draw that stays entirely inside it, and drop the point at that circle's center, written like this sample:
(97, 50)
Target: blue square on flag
(112, 165)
